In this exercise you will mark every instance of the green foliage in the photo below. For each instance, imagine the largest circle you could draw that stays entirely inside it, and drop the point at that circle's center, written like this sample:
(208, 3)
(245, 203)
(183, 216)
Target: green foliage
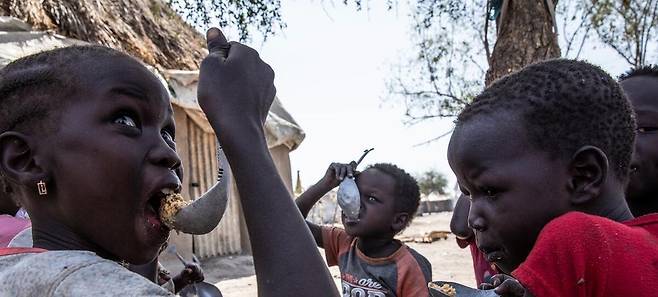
(432, 181)
(627, 26)
(450, 60)
(262, 15)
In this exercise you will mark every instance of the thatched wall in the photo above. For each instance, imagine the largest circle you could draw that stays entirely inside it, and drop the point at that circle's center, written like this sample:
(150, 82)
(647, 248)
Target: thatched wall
(146, 29)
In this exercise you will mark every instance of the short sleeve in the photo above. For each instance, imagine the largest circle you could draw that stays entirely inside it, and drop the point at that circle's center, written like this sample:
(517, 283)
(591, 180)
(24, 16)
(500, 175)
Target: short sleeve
(116, 281)
(415, 272)
(570, 258)
(335, 242)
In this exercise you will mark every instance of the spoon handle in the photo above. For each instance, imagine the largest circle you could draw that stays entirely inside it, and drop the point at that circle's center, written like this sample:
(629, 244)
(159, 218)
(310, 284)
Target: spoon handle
(364, 155)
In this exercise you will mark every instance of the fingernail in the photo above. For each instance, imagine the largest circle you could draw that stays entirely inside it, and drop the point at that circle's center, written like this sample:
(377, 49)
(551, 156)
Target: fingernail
(212, 33)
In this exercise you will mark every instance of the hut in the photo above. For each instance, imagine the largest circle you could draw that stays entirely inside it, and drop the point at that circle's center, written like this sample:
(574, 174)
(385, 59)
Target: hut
(150, 31)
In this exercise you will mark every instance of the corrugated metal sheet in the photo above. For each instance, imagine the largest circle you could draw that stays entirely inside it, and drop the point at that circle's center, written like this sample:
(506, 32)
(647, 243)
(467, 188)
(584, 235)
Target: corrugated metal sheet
(225, 239)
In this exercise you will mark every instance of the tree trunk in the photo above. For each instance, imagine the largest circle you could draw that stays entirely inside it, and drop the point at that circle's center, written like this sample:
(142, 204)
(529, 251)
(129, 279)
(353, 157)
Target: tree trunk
(525, 36)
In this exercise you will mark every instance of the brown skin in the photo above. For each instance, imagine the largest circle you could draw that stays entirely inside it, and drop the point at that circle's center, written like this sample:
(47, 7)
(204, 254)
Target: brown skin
(642, 190)
(459, 220)
(112, 150)
(516, 189)
(192, 273)
(236, 93)
(378, 220)
(7, 205)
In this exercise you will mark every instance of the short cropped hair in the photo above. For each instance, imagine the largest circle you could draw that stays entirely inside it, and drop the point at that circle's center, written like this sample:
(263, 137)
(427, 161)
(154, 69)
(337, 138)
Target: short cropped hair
(647, 70)
(36, 88)
(407, 193)
(564, 105)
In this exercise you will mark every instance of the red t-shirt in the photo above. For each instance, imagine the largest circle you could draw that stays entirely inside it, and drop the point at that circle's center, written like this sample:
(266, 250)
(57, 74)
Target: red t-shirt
(583, 255)
(405, 273)
(482, 268)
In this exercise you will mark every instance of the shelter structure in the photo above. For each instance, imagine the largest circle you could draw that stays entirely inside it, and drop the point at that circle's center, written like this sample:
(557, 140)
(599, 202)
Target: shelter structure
(196, 141)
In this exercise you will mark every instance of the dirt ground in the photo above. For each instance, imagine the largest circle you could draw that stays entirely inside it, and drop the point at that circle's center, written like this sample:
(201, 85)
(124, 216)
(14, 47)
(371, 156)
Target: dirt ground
(235, 275)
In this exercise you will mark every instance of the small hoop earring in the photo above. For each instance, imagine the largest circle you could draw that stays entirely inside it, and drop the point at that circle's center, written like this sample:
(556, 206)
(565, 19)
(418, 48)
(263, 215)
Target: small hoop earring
(41, 186)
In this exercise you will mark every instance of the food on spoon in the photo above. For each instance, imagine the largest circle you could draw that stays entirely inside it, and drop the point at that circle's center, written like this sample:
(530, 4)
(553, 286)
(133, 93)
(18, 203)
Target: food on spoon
(170, 205)
(445, 289)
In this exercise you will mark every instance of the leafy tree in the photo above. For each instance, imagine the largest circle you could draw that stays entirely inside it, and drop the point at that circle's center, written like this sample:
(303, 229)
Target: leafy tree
(462, 46)
(263, 15)
(454, 38)
(629, 27)
(432, 181)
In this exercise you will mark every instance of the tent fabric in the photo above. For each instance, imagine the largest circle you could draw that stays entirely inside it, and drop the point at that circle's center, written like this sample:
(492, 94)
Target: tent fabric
(281, 127)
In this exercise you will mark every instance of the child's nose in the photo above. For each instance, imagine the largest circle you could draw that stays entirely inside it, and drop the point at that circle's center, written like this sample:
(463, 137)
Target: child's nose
(165, 156)
(475, 220)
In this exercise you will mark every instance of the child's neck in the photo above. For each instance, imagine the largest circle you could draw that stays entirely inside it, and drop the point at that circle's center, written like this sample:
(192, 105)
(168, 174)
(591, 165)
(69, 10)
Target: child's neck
(612, 204)
(377, 247)
(53, 236)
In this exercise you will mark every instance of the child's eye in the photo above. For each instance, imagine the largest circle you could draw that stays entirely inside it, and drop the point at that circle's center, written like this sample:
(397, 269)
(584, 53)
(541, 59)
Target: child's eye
(372, 199)
(125, 120)
(491, 193)
(646, 129)
(167, 136)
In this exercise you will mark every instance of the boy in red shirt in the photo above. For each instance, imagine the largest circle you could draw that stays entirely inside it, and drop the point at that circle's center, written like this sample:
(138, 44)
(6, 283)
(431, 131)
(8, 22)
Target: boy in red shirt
(544, 155)
(371, 262)
(641, 88)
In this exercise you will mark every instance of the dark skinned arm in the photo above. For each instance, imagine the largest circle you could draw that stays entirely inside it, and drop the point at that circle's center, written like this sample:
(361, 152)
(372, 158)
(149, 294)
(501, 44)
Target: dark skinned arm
(331, 179)
(236, 93)
(191, 274)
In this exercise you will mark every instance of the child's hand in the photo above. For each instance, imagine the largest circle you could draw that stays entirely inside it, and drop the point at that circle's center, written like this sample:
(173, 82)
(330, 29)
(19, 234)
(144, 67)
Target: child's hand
(505, 286)
(236, 88)
(191, 274)
(336, 173)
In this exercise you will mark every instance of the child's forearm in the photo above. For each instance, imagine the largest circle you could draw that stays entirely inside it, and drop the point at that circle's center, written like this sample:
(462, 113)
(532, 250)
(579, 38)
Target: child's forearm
(306, 200)
(280, 240)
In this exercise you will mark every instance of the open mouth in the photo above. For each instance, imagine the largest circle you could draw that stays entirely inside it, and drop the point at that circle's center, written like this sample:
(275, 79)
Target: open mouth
(493, 255)
(349, 221)
(151, 211)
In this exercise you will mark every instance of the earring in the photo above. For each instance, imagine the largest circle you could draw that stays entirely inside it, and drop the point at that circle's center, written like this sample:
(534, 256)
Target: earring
(41, 186)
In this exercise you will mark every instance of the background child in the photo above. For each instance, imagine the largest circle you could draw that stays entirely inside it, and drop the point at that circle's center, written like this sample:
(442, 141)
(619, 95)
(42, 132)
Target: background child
(87, 143)
(371, 262)
(535, 152)
(466, 238)
(641, 88)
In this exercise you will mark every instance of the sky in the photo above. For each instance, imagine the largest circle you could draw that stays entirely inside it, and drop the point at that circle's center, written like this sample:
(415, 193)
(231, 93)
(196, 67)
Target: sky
(332, 63)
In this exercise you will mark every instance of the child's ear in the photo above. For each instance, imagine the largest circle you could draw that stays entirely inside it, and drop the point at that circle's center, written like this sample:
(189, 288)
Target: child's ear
(588, 171)
(17, 159)
(399, 221)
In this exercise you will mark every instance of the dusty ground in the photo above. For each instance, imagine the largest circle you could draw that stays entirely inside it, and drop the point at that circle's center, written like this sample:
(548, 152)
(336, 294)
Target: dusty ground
(234, 275)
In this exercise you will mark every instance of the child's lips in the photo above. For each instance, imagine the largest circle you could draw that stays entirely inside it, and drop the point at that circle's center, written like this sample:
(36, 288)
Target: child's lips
(350, 221)
(494, 256)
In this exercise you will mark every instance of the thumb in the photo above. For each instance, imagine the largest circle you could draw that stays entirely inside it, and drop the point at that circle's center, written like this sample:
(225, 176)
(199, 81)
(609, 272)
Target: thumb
(510, 287)
(217, 42)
